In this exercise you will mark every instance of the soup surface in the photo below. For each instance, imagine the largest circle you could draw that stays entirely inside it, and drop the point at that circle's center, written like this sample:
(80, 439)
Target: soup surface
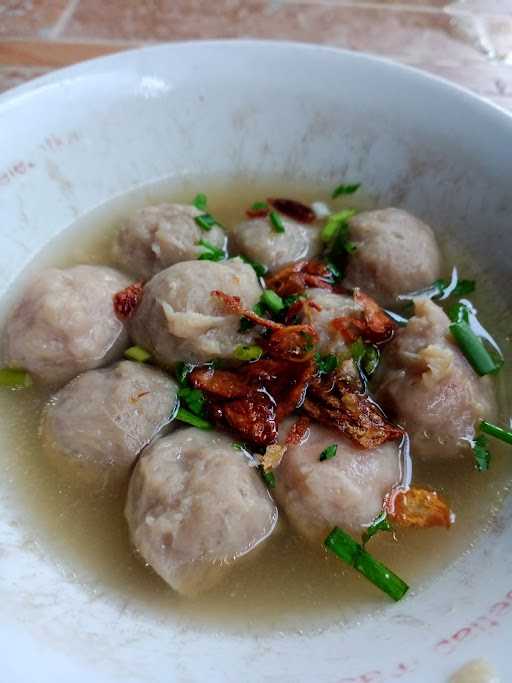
(287, 584)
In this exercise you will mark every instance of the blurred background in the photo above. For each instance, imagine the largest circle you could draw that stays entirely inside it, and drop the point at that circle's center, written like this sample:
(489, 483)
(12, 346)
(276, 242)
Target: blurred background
(466, 41)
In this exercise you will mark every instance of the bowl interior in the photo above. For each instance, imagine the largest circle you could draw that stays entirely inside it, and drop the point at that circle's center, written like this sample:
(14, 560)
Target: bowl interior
(75, 139)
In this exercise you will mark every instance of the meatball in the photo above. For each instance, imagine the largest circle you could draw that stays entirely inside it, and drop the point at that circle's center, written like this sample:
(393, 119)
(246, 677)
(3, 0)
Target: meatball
(331, 306)
(65, 323)
(94, 428)
(429, 387)
(396, 253)
(258, 240)
(178, 318)
(157, 237)
(195, 505)
(346, 491)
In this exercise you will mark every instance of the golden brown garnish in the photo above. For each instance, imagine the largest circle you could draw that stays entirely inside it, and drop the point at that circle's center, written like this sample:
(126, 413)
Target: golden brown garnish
(374, 326)
(296, 278)
(127, 300)
(273, 456)
(295, 343)
(235, 306)
(418, 508)
(338, 401)
(220, 383)
(253, 417)
(298, 431)
(293, 209)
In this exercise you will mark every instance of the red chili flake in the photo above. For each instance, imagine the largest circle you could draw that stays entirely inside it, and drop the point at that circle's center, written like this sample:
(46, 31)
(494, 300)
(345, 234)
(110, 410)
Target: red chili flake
(298, 431)
(127, 300)
(293, 209)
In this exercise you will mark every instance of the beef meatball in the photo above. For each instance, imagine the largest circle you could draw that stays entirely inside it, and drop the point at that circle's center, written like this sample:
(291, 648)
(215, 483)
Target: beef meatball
(195, 506)
(396, 253)
(429, 387)
(65, 323)
(346, 491)
(178, 318)
(157, 237)
(328, 307)
(94, 428)
(257, 239)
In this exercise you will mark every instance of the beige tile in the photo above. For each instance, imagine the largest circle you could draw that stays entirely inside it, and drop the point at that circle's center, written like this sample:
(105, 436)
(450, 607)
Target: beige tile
(51, 54)
(361, 28)
(13, 76)
(485, 78)
(19, 18)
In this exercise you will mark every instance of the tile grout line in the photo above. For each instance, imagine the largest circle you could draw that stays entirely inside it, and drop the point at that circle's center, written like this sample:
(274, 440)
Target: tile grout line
(63, 20)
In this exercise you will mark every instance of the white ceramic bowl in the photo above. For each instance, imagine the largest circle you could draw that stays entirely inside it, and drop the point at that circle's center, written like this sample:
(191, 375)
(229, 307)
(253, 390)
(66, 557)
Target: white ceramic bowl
(76, 138)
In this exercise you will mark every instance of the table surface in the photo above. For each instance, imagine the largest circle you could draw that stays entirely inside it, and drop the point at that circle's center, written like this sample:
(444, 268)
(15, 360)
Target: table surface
(467, 41)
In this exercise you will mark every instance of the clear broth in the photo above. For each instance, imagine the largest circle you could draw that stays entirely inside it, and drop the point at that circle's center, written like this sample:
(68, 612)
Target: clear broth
(286, 585)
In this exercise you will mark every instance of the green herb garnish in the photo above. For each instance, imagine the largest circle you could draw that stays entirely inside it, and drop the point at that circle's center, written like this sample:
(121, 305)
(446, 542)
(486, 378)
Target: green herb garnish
(380, 523)
(137, 353)
(336, 223)
(248, 353)
(269, 478)
(276, 222)
(205, 221)
(259, 206)
(191, 419)
(245, 324)
(473, 348)
(328, 452)
(495, 431)
(366, 356)
(182, 370)
(346, 188)
(259, 268)
(200, 201)
(351, 552)
(326, 364)
(272, 301)
(212, 252)
(194, 399)
(481, 453)
(13, 378)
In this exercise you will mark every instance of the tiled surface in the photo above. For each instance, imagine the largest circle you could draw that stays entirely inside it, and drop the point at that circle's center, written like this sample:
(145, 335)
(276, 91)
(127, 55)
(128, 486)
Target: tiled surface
(467, 41)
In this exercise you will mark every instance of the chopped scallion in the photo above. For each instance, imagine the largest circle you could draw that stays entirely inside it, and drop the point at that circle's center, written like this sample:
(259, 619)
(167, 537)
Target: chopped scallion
(194, 399)
(481, 453)
(367, 356)
(205, 221)
(474, 350)
(137, 353)
(351, 552)
(182, 370)
(191, 419)
(276, 222)
(248, 353)
(272, 301)
(259, 206)
(13, 378)
(346, 188)
(329, 452)
(259, 268)
(495, 431)
(212, 252)
(200, 201)
(335, 223)
(380, 523)
(326, 364)
(269, 478)
(245, 324)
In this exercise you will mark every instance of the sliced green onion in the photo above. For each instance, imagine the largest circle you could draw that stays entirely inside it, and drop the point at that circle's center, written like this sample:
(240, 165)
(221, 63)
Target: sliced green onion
(245, 324)
(351, 552)
(13, 378)
(481, 453)
(326, 364)
(259, 206)
(328, 452)
(200, 201)
(248, 353)
(276, 222)
(380, 523)
(205, 221)
(371, 360)
(336, 273)
(459, 313)
(194, 398)
(272, 301)
(346, 188)
(335, 223)
(473, 348)
(291, 299)
(138, 354)
(212, 252)
(495, 431)
(269, 478)
(182, 370)
(191, 419)
(259, 268)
